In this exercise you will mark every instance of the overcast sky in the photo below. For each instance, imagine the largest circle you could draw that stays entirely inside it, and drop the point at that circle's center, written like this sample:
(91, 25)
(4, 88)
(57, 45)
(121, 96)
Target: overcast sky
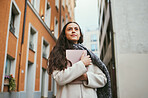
(86, 14)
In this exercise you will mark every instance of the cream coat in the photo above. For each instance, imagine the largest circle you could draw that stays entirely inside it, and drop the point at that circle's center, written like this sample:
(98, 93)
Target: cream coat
(67, 89)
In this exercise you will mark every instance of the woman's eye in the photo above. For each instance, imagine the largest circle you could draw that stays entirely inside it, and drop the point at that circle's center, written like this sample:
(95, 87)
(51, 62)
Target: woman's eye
(76, 28)
(69, 28)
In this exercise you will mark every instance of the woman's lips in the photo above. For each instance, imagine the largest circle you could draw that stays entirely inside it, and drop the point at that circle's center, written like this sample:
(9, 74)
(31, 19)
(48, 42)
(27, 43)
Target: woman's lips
(73, 35)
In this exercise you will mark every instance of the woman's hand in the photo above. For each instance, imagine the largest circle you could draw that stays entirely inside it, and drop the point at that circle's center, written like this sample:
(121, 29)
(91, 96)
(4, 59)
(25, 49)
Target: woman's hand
(82, 78)
(86, 59)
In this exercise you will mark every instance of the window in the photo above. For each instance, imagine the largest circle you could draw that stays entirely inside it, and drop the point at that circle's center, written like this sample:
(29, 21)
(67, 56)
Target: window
(57, 4)
(14, 19)
(93, 38)
(45, 49)
(94, 47)
(69, 10)
(12, 28)
(63, 3)
(67, 2)
(36, 4)
(56, 28)
(31, 41)
(8, 66)
(66, 18)
(62, 22)
(47, 14)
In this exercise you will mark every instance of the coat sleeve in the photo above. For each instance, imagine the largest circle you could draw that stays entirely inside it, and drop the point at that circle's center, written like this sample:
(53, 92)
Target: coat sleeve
(96, 79)
(71, 73)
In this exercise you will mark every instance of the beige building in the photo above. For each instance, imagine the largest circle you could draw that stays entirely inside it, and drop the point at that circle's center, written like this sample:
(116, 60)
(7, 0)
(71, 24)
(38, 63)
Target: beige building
(28, 32)
(91, 41)
(124, 46)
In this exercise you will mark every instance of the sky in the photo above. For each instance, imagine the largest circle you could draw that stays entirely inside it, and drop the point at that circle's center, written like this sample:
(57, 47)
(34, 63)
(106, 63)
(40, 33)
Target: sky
(86, 14)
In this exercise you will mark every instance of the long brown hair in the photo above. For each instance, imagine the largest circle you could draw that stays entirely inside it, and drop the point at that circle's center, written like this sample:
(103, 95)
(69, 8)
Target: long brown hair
(57, 58)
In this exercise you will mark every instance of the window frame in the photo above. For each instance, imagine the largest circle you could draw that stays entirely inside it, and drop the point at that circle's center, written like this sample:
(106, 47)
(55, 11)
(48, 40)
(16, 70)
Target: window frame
(35, 35)
(8, 65)
(94, 47)
(36, 4)
(14, 22)
(57, 4)
(47, 13)
(45, 49)
(56, 31)
(94, 38)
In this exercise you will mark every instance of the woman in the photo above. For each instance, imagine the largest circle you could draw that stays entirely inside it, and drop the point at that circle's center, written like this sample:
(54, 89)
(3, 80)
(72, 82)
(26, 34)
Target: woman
(91, 76)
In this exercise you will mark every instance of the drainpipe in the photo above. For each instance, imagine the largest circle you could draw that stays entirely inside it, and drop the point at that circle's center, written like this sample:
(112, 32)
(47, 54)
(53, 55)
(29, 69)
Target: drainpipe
(24, 21)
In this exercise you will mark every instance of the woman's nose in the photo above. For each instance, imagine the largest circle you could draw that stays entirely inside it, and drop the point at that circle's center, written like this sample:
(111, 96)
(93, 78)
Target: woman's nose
(73, 30)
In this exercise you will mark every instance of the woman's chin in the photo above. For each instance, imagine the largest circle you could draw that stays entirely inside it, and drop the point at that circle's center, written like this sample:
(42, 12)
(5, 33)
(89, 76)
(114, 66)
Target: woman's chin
(74, 41)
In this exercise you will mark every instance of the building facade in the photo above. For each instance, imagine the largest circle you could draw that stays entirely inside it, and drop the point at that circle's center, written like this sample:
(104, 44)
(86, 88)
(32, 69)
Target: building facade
(123, 45)
(106, 42)
(91, 41)
(28, 32)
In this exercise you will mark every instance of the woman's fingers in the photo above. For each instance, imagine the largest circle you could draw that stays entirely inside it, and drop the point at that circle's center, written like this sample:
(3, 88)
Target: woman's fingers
(86, 60)
(82, 55)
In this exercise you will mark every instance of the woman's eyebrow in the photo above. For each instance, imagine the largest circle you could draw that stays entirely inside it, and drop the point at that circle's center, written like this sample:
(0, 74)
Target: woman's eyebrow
(69, 27)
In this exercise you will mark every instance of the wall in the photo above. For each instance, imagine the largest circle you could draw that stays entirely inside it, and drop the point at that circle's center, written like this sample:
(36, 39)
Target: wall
(131, 47)
(11, 45)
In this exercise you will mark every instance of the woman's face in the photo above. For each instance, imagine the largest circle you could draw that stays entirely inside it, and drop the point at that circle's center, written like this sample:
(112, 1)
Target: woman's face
(72, 32)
